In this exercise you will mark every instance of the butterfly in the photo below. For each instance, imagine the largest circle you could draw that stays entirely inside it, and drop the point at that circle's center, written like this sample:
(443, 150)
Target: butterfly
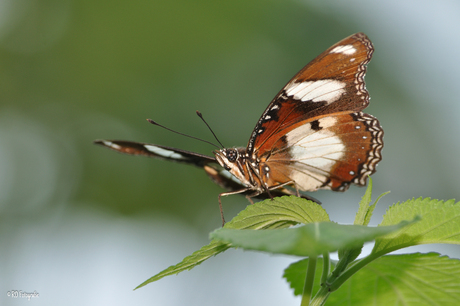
(311, 136)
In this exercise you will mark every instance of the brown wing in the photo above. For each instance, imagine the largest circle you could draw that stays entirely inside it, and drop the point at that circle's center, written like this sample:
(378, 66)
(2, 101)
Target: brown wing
(328, 153)
(331, 83)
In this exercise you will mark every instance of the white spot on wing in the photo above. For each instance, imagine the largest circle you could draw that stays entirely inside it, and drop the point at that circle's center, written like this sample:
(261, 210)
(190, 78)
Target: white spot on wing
(111, 145)
(317, 91)
(346, 49)
(163, 152)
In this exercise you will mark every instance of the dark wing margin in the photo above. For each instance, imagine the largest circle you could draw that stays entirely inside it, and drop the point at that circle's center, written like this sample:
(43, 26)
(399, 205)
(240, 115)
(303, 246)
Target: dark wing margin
(160, 152)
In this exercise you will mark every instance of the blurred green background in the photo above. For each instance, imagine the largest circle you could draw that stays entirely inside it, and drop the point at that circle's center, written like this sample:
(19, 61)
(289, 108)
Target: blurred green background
(84, 225)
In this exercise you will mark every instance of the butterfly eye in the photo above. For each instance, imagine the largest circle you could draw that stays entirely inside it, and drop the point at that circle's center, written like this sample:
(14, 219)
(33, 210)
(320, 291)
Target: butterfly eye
(232, 155)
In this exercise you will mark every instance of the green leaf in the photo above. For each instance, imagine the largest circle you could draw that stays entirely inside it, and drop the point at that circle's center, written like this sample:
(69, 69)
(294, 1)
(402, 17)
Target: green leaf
(189, 262)
(364, 214)
(296, 272)
(368, 216)
(364, 205)
(363, 217)
(308, 240)
(410, 279)
(439, 224)
(347, 255)
(277, 213)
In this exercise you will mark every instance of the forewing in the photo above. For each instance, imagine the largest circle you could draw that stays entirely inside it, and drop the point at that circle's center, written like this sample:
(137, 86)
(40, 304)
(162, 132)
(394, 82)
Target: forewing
(333, 82)
(161, 152)
(328, 153)
(219, 176)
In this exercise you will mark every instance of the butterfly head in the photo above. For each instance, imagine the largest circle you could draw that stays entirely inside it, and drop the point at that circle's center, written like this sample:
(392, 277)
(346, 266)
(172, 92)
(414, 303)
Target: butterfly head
(234, 161)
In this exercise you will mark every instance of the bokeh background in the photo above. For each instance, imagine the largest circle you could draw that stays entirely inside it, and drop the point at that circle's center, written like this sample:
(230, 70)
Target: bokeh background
(84, 225)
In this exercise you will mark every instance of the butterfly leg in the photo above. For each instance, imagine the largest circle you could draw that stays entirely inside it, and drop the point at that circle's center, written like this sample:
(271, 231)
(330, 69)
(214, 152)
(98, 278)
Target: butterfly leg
(297, 190)
(268, 192)
(221, 211)
(226, 194)
(300, 195)
(252, 195)
(284, 184)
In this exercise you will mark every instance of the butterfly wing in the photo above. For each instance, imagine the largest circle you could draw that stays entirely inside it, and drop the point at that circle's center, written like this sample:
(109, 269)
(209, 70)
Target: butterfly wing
(313, 132)
(218, 175)
(328, 153)
(161, 152)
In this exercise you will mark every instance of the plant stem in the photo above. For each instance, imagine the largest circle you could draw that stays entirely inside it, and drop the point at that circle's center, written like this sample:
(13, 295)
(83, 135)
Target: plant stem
(328, 281)
(321, 296)
(326, 264)
(354, 267)
(309, 280)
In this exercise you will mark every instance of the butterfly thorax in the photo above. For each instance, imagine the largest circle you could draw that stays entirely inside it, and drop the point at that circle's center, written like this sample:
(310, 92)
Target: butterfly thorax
(242, 166)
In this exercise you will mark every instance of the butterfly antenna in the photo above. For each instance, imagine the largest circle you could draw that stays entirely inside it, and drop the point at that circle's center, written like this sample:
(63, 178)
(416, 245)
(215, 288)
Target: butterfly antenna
(162, 126)
(201, 116)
